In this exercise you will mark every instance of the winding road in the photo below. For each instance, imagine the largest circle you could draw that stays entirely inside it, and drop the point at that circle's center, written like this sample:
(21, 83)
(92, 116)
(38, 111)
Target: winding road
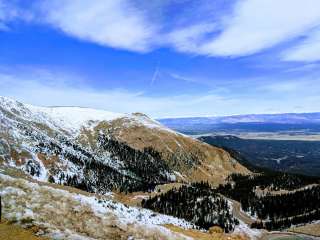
(244, 217)
(236, 211)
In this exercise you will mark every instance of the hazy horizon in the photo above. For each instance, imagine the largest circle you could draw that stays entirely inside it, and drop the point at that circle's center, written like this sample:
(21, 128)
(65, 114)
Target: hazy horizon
(163, 58)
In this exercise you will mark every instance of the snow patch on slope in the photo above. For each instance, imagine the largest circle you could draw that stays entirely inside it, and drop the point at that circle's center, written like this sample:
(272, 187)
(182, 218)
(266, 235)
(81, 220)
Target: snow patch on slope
(140, 119)
(64, 213)
(244, 228)
(73, 118)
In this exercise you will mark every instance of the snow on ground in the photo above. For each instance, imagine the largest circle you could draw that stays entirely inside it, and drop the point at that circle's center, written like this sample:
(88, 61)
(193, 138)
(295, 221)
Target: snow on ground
(66, 215)
(140, 119)
(244, 228)
(73, 118)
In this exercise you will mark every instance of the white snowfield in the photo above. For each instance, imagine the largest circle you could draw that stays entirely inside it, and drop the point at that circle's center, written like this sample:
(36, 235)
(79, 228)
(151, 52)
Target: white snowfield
(66, 215)
(72, 119)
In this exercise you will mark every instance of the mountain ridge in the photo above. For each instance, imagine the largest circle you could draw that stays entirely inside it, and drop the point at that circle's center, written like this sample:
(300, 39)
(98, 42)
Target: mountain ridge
(108, 151)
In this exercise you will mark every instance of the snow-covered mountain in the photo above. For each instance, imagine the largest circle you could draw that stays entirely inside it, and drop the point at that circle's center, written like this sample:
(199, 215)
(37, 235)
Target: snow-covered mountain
(99, 151)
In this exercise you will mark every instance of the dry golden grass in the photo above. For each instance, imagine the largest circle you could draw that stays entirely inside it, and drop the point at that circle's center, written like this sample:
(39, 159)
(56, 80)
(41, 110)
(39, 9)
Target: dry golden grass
(59, 211)
(65, 213)
(20, 158)
(259, 192)
(311, 229)
(9, 231)
(214, 164)
(48, 161)
(195, 234)
(135, 198)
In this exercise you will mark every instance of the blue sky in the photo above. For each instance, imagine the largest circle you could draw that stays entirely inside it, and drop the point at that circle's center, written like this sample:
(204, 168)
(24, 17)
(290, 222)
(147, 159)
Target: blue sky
(166, 58)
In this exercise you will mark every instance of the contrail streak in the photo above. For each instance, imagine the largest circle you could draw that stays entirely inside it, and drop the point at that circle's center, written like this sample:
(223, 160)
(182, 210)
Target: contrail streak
(155, 75)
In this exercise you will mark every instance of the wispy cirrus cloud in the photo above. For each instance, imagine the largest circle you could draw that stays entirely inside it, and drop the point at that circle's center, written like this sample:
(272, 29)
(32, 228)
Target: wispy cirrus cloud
(46, 88)
(190, 38)
(308, 50)
(12, 11)
(201, 27)
(115, 24)
(256, 25)
(7, 14)
(252, 26)
(51, 88)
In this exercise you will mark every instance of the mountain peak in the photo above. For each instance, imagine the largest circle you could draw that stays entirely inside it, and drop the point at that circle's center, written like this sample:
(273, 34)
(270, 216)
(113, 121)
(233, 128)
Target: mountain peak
(139, 114)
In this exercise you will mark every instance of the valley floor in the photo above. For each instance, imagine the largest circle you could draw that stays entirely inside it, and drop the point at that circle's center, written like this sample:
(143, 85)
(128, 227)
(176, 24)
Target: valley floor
(297, 136)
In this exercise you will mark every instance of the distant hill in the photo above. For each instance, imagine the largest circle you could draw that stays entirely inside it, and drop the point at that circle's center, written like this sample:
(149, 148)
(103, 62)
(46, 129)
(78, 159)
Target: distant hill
(251, 122)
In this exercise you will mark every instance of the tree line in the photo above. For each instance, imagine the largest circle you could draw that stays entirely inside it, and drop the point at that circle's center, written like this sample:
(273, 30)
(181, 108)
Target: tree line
(141, 170)
(275, 211)
(197, 203)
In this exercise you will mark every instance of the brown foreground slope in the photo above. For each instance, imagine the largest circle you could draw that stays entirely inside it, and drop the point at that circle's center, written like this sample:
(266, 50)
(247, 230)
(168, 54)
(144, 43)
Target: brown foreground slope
(10, 231)
(59, 212)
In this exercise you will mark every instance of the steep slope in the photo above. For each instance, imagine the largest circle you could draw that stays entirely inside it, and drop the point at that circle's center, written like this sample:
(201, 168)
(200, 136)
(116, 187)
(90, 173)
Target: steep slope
(61, 214)
(99, 151)
(190, 159)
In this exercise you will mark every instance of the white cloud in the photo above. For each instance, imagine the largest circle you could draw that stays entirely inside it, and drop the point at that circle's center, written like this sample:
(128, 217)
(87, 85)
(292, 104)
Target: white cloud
(307, 51)
(254, 26)
(260, 24)
(285, 86)
(251, 27)
(110, 23)
(190, 38)
(6, 14)
(10, 11)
